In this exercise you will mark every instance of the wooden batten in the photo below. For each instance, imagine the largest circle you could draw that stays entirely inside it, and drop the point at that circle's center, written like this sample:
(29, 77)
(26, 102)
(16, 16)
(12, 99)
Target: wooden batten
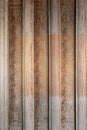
(41, 65)
(81, 64)
(54, 65)
(67, 64)
(4, 65)
(15, 65)
(28, 64)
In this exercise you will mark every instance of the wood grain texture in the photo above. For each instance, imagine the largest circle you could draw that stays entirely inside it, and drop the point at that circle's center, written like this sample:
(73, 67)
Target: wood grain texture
(54, 66)
(43, 62)
(28, 64)
(15, 66)
(81, 64)
(67, 64)
(41, 65)
(3, 65)
(62, 64)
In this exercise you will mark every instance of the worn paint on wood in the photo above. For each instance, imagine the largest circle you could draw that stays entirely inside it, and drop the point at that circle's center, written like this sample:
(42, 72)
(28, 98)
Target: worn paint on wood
(43, 76)
(3, 65)
(81, 64)
(62, 64)
(67, 64)
(41, 65)
(28, 64)
(54, 66)
(15, 65)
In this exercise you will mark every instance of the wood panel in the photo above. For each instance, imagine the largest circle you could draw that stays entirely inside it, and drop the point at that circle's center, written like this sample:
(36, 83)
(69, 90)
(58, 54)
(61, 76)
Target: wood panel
(43, 65)
(3, 65)
(62, 47)
(15, 65)
(54, 66)
(81, 64)
(40, 65)
(28, 64)
(67, 64)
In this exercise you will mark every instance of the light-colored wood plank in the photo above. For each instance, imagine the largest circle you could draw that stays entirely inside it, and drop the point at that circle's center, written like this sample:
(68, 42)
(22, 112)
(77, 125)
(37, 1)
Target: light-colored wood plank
(28, 64)
(3, 64)
(15, 65)
(41, 65)
(54, 66)
(81, 64)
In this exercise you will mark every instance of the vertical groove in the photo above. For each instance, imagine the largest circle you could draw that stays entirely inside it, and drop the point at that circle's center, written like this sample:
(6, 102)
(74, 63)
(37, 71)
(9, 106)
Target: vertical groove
(23, 64)
(76, 72)
(48, 19)
(50, 104)
(22, 89)
(75, 63)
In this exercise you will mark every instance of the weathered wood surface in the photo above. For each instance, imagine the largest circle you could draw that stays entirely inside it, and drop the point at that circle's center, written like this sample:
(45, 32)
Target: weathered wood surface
(43, 64)
(28, 64)
(15, 65)
(81, 64)
(54, 66)
(67, 64)
(62, 64)
(3, 65)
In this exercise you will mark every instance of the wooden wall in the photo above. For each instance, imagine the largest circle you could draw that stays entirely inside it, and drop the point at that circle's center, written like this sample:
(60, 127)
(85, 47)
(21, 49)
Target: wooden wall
(43, 61)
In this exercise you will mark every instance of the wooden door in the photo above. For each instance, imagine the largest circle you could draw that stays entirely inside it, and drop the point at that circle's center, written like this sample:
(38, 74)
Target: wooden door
(43, 55)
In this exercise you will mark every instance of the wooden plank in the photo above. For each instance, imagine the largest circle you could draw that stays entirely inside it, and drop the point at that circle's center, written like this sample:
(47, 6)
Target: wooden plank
(15, 67)
(28, 64)
(81, 64)
(3, 65)
(41, 65)
(67, 64)
(62, 64)
(54, 66)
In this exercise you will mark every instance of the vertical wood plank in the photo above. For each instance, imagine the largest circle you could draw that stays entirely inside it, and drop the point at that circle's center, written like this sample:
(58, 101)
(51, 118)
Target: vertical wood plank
(67, 64)
(54, 66)
(28, 64)
(62, 64)
(41, 65)
(81, 63)
(15, 67)
(4, 65)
